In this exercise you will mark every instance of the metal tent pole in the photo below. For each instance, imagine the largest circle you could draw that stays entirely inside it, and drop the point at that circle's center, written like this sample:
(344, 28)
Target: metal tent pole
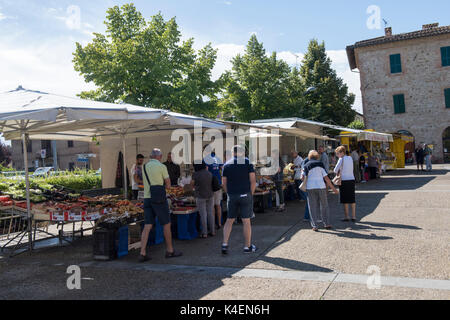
(27, 183)
(125, 182)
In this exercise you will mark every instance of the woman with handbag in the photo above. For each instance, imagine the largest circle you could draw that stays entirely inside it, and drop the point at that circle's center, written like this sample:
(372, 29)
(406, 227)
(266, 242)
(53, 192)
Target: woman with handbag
(314, 178)
(345, 179)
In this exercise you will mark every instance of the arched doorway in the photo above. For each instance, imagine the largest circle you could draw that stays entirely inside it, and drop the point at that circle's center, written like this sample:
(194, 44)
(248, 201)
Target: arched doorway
(409, 147)
(446, 143)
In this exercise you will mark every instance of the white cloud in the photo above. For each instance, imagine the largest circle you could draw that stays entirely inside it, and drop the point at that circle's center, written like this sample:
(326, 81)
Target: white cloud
(46, 67)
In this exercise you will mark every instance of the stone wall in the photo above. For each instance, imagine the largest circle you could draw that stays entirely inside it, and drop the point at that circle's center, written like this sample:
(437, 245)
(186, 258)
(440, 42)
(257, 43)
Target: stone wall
(422, 81)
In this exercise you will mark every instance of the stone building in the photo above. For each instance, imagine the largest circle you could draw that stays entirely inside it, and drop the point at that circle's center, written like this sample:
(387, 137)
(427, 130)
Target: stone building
(405, 84)
(67, 153)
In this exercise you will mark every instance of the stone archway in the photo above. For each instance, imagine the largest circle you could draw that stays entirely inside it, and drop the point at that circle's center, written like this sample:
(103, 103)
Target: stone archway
(409, 147)
(446, 145)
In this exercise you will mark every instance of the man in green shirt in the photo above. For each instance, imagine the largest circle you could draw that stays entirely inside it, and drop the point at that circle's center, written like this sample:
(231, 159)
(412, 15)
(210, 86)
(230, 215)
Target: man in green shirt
(156, 179)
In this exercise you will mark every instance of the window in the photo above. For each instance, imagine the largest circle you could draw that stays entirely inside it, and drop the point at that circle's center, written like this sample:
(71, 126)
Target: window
(447, 97)
(396, 63)
(399, 103)
(47, 145)
(445, 53)
(29, 146)
(70, 144)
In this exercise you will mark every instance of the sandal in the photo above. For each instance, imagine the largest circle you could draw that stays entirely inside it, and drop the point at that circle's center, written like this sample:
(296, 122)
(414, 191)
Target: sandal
(329, 227)
(203, 236)
(173, 254)
(345, 220)
(315, 229)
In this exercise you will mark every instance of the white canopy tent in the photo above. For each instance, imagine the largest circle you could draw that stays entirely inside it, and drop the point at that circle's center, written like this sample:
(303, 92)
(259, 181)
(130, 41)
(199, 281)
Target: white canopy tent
(27, 114)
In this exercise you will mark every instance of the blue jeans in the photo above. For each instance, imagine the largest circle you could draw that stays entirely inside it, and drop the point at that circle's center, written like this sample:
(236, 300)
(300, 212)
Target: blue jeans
(305, 197)
(302, 196)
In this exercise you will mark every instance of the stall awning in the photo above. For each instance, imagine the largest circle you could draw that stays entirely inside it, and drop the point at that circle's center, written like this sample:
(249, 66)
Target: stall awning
(369, 136)
(47, 116)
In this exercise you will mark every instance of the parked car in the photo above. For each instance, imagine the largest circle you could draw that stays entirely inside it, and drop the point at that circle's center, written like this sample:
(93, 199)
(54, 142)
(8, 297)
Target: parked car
(43, 172)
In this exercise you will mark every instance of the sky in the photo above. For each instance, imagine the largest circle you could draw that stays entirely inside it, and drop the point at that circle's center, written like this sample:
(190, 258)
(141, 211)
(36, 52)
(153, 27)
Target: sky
(37, 38)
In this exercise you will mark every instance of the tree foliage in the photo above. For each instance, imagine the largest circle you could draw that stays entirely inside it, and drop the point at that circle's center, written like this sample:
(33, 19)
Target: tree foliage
(5, 155)
(330, 100)
(260, 86)
(146, 63)
(359, 125)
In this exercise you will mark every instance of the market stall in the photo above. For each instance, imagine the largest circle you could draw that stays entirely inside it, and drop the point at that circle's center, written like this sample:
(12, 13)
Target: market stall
(369, 142)
(43, 116)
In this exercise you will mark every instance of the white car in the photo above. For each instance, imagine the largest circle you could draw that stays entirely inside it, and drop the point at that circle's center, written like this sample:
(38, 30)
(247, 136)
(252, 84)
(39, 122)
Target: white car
(43, 171)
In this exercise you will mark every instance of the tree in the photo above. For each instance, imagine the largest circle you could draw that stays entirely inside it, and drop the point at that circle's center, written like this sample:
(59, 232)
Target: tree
(145, 63)
(330, 101)
(359, 125)
(260, 86)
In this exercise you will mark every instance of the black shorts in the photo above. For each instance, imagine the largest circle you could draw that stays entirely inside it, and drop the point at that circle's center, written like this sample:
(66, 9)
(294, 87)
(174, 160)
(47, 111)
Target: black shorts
(420, 161)
(347, 191)
(240, 206)
(153, 210)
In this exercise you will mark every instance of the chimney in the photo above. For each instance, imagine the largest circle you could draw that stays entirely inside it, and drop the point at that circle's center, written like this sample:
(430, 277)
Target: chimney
(388, 32)
(430, 26)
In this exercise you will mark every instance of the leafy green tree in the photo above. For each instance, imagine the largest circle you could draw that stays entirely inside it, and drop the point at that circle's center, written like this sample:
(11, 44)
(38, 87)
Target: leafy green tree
(330, 100)
(147, 64)
(359, 125)
(260, 86)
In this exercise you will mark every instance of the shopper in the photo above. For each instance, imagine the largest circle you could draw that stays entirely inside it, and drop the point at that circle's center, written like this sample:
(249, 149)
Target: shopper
(297, 161)
(202, 183)
(317, 191)
(173, 169)
(215, 166)
(428, 153)
(344, 168)
(278, 178)
(156, 180)
(136, 176)
(239, 182)
(307, 216)
(356, 169)
(362, 167)
(324, 159)
(373, 166)
(419, 153)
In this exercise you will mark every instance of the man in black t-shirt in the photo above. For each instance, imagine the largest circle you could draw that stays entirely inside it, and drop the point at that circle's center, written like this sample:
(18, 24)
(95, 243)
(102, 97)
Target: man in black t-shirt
(239, 182)
(420, 155)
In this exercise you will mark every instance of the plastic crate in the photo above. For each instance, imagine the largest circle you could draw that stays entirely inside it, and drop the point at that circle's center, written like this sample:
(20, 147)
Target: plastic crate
(122, 241)
(104, 244)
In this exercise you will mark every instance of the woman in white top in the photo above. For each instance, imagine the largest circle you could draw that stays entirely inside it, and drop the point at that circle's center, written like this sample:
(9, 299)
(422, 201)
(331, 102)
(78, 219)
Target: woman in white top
(347, 188)
(317, 192)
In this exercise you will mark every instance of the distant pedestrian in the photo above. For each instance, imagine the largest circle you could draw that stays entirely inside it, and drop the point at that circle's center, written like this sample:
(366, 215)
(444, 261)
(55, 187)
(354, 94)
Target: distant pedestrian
(373, 166)
(173, 169)
(136, 176)
(428, 153)
(356, 170)
(239, 182)
(362, 167)
(317, 191)
(215, 166)
(344, 168)
(202, 183)
(297, 161)
(156, 180)
(278, 178)
(420, 155)
(324, 159)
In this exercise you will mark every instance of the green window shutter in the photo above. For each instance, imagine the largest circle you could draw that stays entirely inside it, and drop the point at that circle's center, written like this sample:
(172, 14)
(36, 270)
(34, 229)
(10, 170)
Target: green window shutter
(396, 63)
(445, 54)
(447, 97)
(399, 103)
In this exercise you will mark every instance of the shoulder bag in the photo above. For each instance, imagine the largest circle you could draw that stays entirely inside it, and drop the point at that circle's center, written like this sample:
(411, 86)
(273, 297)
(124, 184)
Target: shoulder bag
(337, 181)
(157, 193)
